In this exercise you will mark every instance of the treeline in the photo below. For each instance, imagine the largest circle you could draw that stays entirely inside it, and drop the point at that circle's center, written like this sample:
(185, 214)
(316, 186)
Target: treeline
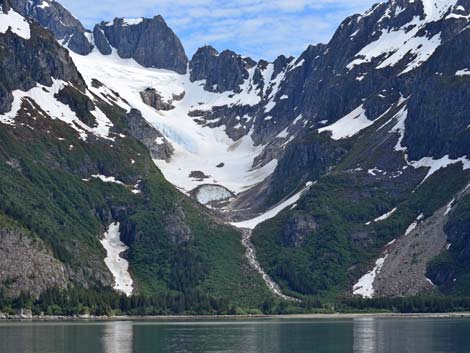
(417, 304)
(106, 302)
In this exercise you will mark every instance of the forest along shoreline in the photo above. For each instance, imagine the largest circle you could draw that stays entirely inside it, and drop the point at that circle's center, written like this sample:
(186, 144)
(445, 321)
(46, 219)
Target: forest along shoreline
(86, 318)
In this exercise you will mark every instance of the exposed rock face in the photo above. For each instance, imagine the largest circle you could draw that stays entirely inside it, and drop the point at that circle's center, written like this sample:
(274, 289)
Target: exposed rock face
(152, 98)
(26, 265)
(303, 161)
(54, 17)
(101, 41)
(23, 63)
(450, 271)
(149, 41)
(297, 230)
(5, 5)
(404, 270)
(329, 81)
(223, 72)
(176, 227)
(158, 146)
(79, 103)
(439, 97)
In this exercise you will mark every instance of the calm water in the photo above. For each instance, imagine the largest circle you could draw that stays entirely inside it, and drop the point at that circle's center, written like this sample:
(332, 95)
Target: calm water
(270, 336)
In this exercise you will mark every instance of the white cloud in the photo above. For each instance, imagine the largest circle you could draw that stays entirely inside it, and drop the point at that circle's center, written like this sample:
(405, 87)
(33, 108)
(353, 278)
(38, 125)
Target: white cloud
(258, 28)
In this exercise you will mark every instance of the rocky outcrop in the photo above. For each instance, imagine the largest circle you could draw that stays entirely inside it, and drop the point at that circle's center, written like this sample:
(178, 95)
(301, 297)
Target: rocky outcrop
(53, 16)
(297, 229)
(436, 98)
(101, 41)
(223, 72)
(176, 227)
(153, 98)
(24, 63)
(26, 264)
(405, 267)
(450, 270)
(149, 41)
(79, 103)
(157, 144)
(304, 160)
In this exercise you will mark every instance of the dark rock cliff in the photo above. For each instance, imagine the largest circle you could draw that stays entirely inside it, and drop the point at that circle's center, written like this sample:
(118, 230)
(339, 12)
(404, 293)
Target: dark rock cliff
(23, 63)
(53, 16)
(149, 41)
(223, 72)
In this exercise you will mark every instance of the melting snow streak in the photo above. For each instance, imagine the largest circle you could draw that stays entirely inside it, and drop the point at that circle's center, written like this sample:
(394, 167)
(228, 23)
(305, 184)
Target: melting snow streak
(118, 266)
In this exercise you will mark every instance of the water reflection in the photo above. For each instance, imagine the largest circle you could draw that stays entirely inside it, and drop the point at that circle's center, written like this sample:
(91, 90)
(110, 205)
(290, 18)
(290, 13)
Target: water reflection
(405, 335)
(365, 335)
(273, 336)
(214, 336)
(369, 335)
(118, 337)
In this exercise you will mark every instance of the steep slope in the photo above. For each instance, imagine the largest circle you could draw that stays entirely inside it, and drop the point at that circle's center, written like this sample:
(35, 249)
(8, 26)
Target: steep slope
(343, 161)
(54, 17)
(249, 136)
(70, 168)
(399, 69)
(149, 41)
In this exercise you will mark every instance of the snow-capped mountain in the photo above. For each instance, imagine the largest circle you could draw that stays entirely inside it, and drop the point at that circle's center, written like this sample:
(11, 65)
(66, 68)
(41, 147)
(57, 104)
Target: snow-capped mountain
(334, 158)
(82, 203)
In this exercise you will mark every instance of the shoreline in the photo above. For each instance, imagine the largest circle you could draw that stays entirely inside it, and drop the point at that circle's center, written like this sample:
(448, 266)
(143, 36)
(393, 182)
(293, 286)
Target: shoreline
(16, 318)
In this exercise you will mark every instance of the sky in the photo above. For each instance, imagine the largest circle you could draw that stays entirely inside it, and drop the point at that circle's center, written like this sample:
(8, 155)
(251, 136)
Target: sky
(261, 29)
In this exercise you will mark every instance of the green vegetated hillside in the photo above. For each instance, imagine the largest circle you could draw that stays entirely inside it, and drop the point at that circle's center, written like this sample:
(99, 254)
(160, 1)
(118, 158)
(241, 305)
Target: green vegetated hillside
(325, 243)
(48, 193)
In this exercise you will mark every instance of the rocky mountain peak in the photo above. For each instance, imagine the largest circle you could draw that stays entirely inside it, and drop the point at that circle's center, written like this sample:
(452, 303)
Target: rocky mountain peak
(149, 41)
(223, 72)
(38, 58)
(53, 16)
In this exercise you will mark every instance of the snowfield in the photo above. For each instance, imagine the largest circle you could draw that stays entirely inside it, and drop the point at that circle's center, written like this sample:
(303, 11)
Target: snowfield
(16, 22)
(349, 125)
(197, 148)
(118, 266)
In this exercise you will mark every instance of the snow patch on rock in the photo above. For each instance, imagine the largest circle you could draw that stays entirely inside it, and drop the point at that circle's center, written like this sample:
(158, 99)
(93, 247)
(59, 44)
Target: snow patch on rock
(45, 97)
(365, 286)
(106, 179)
(383, 217)
(118, 266)
(464, 72)
(395, 44)
(413, 225)
(435, 165)
(16, 22)
(132, 21)
(350, 125)
(273, 212)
